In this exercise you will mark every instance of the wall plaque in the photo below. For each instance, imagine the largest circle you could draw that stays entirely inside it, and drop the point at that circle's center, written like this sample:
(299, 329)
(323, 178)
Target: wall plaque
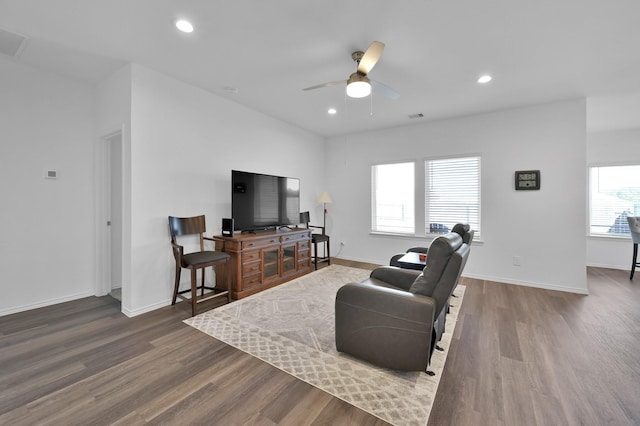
(527, 180)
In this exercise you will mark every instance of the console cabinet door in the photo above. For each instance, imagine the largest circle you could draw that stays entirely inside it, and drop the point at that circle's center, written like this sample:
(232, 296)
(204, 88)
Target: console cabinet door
(289, 259)
(270, 269)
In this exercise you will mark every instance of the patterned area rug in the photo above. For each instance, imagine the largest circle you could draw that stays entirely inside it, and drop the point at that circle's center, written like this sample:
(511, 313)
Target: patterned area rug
(291, 327)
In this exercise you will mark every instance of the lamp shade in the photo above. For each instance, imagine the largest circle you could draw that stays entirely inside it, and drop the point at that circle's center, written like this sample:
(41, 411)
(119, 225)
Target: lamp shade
(325, 198)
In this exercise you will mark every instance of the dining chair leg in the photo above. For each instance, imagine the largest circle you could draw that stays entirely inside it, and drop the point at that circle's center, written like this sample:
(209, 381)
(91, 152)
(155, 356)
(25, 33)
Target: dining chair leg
(227, 279)
(328, 252)
(176, 285)
(315, 255)
(635, 260)
(202, 283)
(194, 291)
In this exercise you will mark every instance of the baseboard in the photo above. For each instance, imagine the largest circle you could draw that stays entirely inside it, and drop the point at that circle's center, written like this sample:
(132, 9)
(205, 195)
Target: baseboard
(44, 303)
(545, 286)
(619, 267)
(359, 259)
(505, 281)
(135, 312)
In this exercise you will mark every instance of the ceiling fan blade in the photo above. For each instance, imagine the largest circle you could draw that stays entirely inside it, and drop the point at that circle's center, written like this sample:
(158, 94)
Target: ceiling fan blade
(370, 57)
(384, 90)
(331, 83)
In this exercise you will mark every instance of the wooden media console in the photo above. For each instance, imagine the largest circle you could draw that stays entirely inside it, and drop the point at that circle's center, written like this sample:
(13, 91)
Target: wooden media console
(264, 260)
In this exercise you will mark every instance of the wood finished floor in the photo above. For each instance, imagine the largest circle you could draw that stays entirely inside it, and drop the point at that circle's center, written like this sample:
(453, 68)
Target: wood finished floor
(519, 356)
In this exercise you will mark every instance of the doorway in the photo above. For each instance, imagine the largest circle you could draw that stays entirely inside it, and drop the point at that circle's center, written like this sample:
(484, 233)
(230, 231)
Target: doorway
(110, 220)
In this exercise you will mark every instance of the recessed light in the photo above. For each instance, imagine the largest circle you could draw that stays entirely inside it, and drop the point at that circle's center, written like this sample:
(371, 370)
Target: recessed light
(184, 26)
(484, 79)
(332, 111)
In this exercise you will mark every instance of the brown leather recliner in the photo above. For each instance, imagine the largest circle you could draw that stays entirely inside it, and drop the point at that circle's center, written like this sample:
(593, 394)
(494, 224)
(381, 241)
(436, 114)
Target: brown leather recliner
(389, 319)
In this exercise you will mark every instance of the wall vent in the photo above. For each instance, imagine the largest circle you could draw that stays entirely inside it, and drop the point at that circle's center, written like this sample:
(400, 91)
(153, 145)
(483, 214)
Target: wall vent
(11, 44)
(418, 115)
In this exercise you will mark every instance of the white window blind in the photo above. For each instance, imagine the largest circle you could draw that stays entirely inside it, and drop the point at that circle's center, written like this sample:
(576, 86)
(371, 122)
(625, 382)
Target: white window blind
(452, 194)
(392, 198)
(614, 194)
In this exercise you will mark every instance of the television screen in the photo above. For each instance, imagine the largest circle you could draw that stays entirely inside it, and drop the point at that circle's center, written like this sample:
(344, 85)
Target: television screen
(260, 201)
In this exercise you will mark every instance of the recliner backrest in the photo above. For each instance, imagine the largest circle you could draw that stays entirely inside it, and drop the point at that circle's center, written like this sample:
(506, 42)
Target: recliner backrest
(464, 231)
(445, 260)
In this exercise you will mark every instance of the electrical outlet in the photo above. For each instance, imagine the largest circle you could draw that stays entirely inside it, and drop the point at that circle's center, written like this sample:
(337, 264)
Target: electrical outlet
(517, 260)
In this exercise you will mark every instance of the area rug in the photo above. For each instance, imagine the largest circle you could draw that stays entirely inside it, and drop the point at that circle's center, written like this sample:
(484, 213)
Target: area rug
(291, 327)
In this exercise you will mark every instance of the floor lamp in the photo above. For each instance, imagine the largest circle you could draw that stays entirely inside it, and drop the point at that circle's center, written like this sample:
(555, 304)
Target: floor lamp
(325, 199)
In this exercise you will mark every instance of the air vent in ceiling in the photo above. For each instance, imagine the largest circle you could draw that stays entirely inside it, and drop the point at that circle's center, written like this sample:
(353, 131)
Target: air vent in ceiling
(11, 43)
(418, 115)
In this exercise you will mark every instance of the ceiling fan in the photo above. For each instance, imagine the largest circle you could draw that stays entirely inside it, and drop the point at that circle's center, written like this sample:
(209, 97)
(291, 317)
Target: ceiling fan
(358, 84)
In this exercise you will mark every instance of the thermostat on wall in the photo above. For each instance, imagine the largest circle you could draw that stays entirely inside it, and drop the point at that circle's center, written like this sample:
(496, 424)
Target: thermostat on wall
(51, 174)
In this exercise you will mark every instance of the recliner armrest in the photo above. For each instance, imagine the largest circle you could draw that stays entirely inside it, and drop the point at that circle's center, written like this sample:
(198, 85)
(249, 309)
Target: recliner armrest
(397, 277)
(388, 301)
(394, 259)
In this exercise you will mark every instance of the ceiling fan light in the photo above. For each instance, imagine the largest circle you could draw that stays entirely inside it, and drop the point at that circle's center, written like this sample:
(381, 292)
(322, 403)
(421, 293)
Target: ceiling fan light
(358, 89)
(358, 86)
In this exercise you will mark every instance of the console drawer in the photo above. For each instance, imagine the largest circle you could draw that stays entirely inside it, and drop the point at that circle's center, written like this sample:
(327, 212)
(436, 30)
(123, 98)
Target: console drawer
(304, 245)
(303, 255)
(260, 242)
(251, 281)
(294, 237)
(251, 268)
(250, 256)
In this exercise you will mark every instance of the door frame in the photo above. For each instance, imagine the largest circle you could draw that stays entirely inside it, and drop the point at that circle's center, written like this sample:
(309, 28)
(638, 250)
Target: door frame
(103, 211)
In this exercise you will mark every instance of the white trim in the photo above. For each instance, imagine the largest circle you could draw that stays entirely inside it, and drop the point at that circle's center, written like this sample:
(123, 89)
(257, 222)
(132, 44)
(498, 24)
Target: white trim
(545, 286)
(145, 309)
(395, 234)
(42, 304)
(618, 267)
(420, 238)
(611, 237)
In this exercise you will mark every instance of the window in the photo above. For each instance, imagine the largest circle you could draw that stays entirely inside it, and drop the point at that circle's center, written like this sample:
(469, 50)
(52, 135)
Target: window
(614, 194)
(452, 193)
(392, 198)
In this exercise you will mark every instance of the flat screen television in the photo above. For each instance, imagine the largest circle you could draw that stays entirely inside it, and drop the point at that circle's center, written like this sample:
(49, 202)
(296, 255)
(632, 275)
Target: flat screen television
(263, 202)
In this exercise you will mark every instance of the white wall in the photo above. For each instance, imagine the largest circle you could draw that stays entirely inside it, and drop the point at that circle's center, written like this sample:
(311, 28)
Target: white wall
(47, 244)
(546, 228)
(612, 147)
(184, 144)
(181, 143)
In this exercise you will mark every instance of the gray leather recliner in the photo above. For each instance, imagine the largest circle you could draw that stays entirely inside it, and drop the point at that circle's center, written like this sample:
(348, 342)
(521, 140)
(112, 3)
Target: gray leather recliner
(389, 319)
(463, 229)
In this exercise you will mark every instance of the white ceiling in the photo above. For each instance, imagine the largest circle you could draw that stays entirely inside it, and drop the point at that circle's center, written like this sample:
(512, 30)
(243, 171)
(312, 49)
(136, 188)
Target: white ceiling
(536, 50)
